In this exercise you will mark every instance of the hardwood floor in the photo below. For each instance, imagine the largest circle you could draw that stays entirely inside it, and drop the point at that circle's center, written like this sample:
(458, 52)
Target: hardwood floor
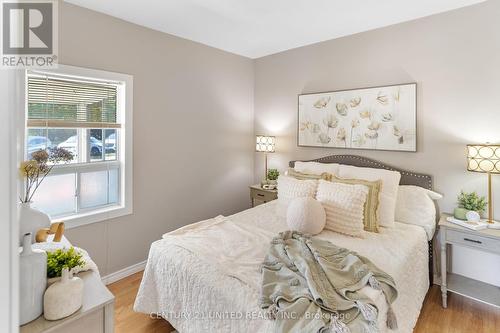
(462, 315)
(128, 321)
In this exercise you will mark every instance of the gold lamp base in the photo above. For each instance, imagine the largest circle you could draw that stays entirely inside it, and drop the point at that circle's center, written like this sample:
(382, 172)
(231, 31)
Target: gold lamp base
(493, 225)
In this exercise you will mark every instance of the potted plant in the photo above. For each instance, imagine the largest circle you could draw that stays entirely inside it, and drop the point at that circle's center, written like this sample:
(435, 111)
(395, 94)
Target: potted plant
(272, 176)
(34, 172)
(60, 259)
(469, 202)
(64, 296)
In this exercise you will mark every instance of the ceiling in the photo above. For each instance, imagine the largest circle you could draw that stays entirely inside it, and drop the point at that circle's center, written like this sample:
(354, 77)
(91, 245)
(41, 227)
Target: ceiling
(256, 28)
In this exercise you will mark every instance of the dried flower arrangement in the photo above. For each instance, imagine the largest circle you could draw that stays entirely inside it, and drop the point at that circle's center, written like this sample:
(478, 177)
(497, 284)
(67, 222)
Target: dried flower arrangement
(39, 166)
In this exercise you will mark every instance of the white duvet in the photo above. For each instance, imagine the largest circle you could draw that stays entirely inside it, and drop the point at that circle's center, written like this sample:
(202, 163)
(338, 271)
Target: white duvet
(205, 277)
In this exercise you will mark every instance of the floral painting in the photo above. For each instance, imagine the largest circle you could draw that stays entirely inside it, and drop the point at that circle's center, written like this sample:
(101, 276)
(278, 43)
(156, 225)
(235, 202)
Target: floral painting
(382, 118)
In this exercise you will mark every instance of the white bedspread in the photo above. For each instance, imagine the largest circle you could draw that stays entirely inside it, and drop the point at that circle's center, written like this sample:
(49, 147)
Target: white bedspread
(192, 279)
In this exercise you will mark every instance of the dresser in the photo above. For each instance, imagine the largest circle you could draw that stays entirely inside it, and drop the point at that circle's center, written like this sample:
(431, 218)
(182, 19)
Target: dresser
(96, 314)
(487, 240)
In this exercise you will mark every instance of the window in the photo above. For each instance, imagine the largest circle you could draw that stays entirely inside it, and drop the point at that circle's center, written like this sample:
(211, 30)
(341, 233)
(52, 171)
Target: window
(88, 113)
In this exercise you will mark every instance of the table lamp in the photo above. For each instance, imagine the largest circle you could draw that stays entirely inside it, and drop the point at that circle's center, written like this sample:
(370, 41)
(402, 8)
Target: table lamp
(265, 144)
(485, 158)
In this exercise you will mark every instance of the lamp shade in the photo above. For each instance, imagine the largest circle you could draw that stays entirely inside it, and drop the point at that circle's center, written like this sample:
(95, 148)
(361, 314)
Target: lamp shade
(264, 143)
(483, 158)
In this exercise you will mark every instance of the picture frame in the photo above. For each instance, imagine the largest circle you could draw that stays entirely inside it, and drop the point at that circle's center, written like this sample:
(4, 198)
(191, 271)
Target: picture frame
(373, 118)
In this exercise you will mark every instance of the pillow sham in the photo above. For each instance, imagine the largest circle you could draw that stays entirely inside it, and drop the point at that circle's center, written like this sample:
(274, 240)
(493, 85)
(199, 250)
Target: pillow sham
(303, 176)
(370, 219)
(306, 215)
(290, 188)
(344, 206)
(316, 168)
(415, 205)
(388, 192)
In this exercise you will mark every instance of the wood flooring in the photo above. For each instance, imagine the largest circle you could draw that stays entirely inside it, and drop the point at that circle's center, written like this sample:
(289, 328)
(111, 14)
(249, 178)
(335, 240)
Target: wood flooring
(462, 315)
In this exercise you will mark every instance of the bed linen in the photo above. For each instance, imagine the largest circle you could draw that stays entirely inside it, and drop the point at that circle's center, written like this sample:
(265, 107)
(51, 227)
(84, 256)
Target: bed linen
(201, 289)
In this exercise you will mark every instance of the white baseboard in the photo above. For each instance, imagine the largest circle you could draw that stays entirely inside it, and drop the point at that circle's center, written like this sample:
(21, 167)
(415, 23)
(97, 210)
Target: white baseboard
(123, 273)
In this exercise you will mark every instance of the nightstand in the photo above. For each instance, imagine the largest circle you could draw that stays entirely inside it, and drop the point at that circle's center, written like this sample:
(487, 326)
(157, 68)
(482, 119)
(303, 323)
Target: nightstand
(258, 195)
(487, 240)
(95, 315)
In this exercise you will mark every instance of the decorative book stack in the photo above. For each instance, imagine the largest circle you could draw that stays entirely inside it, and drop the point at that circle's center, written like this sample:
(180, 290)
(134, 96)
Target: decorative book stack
(468, 224)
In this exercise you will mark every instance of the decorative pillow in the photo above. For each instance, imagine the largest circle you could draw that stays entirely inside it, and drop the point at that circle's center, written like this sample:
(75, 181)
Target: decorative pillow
(316, 168)
(370, 219)
(344, 205)
(388, 193)
(303, 176)
(415, 206)
(290, 188)
(306, 215)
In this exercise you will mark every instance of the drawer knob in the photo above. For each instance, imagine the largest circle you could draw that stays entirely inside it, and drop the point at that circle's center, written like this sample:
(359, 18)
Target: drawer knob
(473, 241)
(260, 194)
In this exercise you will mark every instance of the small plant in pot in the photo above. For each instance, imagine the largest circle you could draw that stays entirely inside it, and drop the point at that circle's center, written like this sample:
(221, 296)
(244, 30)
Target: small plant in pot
(62, 258)
(272, 176)
(469, 202)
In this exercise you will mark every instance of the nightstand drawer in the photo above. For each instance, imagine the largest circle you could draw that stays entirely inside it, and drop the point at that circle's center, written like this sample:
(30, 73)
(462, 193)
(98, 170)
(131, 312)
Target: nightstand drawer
(484, 243)
(263, 195)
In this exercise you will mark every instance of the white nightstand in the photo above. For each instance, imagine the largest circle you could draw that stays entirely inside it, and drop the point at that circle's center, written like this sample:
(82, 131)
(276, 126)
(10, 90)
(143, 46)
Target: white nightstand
(96, 314)
(487, 240)
(258, 195)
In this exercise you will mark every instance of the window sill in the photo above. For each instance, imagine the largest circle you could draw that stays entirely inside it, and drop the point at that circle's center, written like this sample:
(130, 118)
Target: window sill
(78, 220)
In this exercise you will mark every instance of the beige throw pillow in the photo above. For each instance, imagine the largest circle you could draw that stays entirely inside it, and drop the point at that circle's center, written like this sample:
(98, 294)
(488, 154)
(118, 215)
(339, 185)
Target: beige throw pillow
(304, 176)
(371, 219)
(388, 192)
(344, 206)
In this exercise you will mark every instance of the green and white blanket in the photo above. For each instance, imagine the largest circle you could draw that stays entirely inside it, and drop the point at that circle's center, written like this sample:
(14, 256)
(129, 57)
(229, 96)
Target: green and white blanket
(311, 285)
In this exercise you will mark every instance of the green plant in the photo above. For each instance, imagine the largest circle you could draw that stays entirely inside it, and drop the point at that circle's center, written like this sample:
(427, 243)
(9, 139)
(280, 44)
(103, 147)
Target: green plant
(272, 174)
(471, 201)
(63, 258)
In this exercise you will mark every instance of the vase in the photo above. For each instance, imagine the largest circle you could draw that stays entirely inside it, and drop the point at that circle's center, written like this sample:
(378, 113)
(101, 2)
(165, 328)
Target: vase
(459, 213)
(31, 220)
(64, 297)
(32, 281)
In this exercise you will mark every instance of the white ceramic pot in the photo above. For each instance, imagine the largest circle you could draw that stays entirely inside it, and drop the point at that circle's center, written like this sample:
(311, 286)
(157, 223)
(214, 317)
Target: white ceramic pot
(31, 220)
(32, 281)
(63, 298)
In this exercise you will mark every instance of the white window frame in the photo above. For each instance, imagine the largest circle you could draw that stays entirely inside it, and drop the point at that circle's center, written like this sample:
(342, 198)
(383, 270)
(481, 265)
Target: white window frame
(125, 144)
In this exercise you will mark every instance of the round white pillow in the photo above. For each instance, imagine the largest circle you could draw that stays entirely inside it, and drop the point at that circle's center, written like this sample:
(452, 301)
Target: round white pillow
(306, 215)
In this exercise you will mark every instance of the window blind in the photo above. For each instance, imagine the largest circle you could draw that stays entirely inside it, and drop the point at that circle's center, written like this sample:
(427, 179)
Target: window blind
(60, 103)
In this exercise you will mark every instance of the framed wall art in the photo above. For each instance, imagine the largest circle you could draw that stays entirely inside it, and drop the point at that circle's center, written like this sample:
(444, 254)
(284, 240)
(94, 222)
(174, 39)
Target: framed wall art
(378, 118)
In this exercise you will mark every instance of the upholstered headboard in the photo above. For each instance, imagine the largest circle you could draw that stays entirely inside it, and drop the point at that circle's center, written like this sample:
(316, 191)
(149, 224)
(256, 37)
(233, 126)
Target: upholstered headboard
(407, 177)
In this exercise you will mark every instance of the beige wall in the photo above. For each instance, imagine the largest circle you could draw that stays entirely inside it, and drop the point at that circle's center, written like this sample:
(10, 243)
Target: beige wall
(193, 130)
(454, 58)
(199, 102)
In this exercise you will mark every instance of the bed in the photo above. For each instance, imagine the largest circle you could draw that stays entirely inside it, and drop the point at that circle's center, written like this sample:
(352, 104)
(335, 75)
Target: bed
(205, 276)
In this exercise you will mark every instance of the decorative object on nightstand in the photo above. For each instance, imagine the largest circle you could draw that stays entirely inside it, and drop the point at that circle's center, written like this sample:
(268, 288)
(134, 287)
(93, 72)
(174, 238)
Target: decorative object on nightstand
(63, 298)
(259, 195)
(58, 260)
(265, 144)
(271, 181)
(470, 205)
(32, 281)
(485, 158)
(56, 229)
(486, 240)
